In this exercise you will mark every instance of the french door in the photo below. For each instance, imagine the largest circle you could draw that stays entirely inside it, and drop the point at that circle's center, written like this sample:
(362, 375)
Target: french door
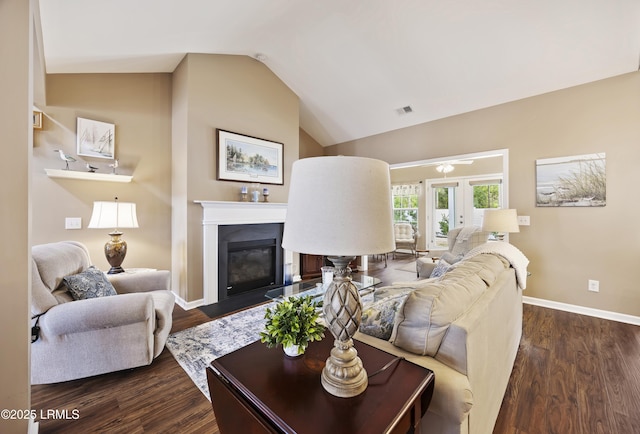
(457, 202)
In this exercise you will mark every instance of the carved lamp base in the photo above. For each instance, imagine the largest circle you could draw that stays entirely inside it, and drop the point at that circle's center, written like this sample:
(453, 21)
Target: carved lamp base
(343, 375)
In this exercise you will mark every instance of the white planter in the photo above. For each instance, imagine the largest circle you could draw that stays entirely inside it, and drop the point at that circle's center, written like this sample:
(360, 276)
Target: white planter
(291, 351)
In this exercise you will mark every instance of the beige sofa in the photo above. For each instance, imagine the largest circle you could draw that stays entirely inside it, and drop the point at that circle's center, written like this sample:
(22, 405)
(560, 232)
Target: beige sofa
(79, 338)
(465, 326)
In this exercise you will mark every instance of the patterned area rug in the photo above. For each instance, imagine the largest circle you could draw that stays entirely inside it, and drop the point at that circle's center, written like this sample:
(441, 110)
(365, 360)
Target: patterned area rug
(195, 348)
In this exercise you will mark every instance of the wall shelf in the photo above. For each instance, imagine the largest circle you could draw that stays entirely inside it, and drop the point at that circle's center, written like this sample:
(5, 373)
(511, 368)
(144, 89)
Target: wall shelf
(87, 176)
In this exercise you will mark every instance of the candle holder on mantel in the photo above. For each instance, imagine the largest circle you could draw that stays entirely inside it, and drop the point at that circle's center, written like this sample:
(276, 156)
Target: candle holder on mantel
(255, 192)
(265, 194)
(243, 193)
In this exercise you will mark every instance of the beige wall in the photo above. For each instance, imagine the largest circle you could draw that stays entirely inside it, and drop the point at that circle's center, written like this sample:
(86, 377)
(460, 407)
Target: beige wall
(566, 246)
(308, 146)
(15, 257)
(140, 107)
(233, 93)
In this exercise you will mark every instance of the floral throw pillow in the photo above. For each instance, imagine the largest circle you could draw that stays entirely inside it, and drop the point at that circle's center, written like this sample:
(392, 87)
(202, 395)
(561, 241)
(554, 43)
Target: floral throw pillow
(441, 268)
(378, 318)
(91, 283)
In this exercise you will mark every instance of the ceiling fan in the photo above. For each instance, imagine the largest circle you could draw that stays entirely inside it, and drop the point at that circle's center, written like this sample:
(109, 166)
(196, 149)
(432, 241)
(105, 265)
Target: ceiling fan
(448, 166)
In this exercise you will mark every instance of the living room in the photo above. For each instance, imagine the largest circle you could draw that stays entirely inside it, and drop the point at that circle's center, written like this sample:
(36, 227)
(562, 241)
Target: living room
(165, 126)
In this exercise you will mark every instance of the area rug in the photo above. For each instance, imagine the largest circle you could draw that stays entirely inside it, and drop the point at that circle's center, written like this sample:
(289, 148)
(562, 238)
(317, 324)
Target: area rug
(195, 348)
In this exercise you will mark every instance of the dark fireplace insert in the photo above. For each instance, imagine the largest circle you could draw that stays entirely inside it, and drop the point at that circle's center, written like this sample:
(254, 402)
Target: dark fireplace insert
(250, 258)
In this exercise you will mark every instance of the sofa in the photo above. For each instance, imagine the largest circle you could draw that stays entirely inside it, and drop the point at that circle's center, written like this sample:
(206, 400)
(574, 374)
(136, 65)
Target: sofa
(86, 322)
(465, 326)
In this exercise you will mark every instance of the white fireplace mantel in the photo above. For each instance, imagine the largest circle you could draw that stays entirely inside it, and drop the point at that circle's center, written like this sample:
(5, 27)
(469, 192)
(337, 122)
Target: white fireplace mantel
(216, 213)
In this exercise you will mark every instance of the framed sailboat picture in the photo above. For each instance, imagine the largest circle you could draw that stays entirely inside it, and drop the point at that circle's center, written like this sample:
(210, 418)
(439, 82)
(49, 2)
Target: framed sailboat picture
(96, 139)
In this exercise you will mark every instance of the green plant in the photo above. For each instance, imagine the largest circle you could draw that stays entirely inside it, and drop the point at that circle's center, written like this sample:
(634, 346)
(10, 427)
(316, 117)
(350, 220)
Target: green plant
(293, 321)
(444, 224)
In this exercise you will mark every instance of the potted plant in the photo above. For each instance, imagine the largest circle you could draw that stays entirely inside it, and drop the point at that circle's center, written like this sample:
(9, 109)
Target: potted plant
(293, 323)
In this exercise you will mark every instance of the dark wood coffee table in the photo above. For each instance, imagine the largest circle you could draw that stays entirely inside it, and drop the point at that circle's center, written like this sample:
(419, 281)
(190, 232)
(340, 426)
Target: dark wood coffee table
(259, 390)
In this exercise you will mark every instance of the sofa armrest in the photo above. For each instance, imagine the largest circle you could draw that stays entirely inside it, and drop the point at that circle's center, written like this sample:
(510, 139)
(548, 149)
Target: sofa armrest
(97, 313)
(141, 282)
(452, 397)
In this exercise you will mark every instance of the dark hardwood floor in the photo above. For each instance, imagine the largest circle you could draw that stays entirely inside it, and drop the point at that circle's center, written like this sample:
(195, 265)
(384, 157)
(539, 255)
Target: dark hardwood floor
(573, 374)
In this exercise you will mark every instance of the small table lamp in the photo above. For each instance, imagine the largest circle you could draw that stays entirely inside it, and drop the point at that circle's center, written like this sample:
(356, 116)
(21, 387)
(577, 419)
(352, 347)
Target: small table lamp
(500, 221)
(340, 207)
(114, 215)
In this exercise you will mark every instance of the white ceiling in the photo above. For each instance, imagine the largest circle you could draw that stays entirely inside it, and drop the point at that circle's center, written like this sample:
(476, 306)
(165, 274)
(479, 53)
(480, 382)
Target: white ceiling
(353, 63)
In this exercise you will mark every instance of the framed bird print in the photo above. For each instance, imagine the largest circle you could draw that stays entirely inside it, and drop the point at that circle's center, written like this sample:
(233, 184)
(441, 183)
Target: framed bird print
(96, 139)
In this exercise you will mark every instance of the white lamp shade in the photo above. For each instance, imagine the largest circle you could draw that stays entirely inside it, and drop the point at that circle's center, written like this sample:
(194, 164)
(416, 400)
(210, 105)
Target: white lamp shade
(500, 220)
(339, 206)
(113, 215)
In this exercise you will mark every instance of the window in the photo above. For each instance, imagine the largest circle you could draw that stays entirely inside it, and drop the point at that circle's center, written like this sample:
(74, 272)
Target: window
(405, 203)
(487, 194)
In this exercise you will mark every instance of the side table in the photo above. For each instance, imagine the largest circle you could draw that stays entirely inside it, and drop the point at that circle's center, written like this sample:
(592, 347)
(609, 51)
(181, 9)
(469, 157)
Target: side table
(259, 390)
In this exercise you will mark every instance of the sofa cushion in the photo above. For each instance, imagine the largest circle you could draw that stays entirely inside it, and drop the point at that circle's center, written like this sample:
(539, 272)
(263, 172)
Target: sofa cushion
(91, 283)
(486, 267)
(423, 319)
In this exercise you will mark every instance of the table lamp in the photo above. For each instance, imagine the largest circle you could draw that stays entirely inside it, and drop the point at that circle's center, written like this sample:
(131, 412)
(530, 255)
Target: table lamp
(500, 221)
(340, 207)
(114, 215)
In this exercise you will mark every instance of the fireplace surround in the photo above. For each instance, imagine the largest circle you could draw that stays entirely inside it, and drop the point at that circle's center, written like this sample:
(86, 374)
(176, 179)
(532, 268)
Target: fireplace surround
(221, 213)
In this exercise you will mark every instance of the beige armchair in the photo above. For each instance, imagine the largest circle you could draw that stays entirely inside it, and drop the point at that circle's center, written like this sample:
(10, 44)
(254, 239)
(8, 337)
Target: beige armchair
(460, 241)
(405, 237)
(86, 337)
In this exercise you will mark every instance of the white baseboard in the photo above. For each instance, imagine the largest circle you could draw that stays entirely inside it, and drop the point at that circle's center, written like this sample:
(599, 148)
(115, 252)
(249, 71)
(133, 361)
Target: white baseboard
(604, 314)
(187, 305)
(34, 426)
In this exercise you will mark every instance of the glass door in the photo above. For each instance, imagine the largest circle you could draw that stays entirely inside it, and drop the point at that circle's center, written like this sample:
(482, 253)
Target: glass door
(458, 202)
(445, 204)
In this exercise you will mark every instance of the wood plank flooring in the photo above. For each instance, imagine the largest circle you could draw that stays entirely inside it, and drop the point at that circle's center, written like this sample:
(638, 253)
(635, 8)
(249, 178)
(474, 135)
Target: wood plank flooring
(573, 374)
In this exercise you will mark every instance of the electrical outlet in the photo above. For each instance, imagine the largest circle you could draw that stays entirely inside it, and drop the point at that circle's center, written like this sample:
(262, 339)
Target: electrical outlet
(594, 285)
(73, 223)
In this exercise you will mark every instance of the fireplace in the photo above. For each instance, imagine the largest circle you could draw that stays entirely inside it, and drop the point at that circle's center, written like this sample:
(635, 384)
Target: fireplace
(250, 257)
(217, 214)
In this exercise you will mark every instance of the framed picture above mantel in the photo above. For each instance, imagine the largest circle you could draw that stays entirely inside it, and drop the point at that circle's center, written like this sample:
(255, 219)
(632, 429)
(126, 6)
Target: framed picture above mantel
(249, 159)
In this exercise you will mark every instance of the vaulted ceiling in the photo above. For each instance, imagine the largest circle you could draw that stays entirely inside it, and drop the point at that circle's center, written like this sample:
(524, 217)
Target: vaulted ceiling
(355, 63)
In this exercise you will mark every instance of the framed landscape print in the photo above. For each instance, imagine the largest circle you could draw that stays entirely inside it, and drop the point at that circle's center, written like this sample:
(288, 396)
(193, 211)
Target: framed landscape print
(249, 159)
(579, 180)
(96, 139)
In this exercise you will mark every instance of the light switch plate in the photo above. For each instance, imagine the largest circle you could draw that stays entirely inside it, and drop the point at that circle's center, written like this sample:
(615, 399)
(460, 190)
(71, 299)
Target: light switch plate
(523, 220)
(73, 223)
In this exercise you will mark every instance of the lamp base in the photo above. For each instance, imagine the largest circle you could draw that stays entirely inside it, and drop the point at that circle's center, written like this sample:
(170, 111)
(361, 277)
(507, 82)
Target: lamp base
(343, 374)
(115, 270)
(115, 251)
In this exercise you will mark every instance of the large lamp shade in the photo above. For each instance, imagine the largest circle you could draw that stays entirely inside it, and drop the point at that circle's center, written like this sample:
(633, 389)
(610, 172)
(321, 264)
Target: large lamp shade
(339, 206)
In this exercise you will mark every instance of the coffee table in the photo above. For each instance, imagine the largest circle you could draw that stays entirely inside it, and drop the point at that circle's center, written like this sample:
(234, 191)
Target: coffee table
(365, 284)
(260, 390)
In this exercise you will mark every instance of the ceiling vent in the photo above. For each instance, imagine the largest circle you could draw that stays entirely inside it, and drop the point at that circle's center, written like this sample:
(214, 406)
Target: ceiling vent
(405, 110)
